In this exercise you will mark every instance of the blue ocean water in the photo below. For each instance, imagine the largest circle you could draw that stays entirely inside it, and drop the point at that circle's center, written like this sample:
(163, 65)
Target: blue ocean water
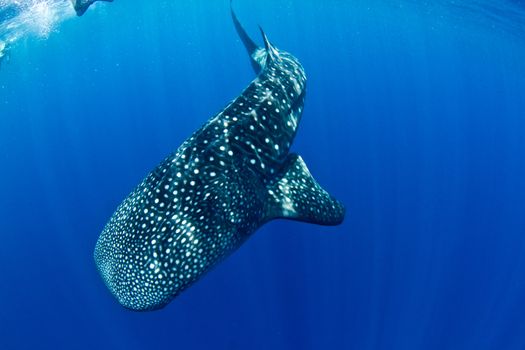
(414, 119)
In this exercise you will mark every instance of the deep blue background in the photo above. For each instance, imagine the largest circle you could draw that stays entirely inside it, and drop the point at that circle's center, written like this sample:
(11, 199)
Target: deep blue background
(414, 119)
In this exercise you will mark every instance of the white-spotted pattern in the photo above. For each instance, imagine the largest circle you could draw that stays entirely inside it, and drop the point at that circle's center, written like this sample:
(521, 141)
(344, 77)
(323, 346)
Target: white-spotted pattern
(203, 201)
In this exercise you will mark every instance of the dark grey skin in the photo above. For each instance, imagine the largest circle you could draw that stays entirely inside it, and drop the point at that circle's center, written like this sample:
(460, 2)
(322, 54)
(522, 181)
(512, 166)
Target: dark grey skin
(81, 6)
(203, 201)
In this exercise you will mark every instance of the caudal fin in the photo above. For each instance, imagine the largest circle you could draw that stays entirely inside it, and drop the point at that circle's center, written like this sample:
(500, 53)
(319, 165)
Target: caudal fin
(297, 196)
(81, 6)
(258, 55)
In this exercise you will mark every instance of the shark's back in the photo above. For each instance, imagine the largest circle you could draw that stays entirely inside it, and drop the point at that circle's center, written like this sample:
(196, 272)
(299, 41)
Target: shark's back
(204, 200)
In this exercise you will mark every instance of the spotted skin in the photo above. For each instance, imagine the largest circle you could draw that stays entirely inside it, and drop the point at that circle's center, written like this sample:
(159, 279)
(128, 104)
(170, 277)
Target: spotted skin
(204, 200)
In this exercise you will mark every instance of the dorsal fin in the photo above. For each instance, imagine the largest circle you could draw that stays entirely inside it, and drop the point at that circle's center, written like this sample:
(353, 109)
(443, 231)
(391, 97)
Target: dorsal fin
(271, 51)
(297, 196)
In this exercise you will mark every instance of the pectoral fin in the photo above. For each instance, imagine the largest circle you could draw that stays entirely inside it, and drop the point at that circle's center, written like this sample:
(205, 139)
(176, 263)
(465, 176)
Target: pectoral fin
(297, 196)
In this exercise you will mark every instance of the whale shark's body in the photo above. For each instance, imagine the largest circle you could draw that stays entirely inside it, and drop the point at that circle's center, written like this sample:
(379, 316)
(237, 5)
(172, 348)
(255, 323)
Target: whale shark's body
(81, 6)
(204, 200)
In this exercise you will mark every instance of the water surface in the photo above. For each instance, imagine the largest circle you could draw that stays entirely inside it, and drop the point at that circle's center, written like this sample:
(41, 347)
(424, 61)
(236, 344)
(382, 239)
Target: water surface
(414, 119)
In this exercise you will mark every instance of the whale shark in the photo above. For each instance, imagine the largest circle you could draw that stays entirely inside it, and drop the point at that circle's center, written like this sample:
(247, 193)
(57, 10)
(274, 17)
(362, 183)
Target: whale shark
(81, 6)
(204, 200)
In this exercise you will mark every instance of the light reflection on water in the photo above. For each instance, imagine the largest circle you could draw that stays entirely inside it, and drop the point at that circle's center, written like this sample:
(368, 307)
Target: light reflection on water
(20, 19)
(24, 18)
(506, 15)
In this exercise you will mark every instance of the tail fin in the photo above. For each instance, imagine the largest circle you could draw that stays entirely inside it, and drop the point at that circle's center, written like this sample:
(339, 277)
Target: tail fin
(81, 6)
(257, 54)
